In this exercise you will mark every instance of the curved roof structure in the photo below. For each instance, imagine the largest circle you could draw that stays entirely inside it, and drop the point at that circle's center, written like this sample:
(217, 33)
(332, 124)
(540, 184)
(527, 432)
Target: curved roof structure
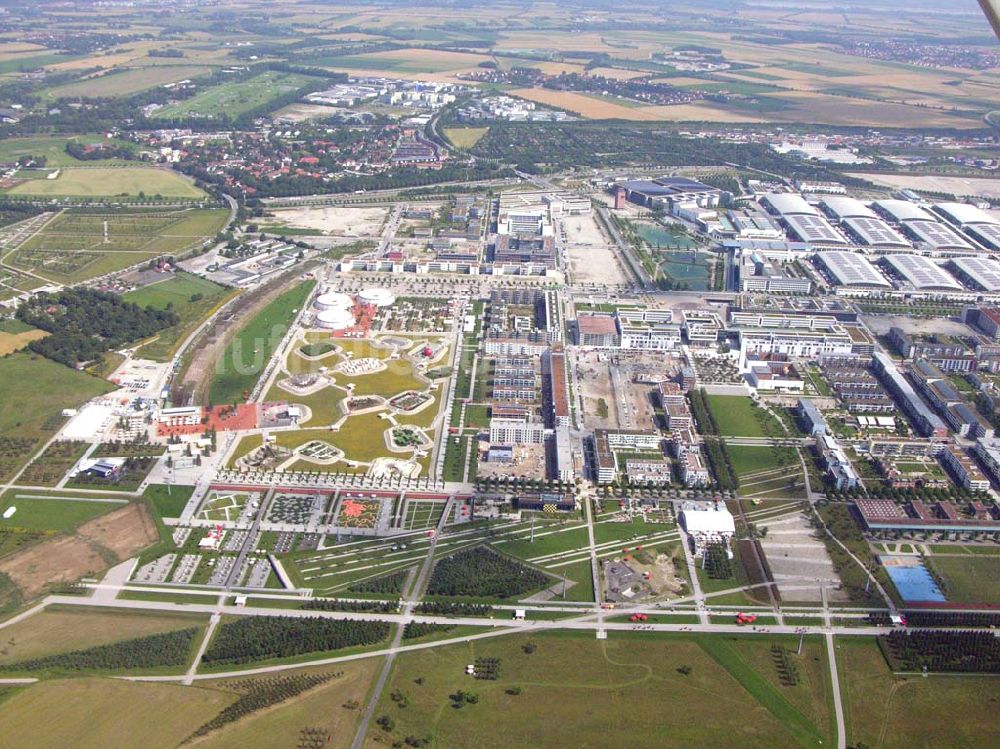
(874, 232)
(788, 203)
(841, 208)
(939, 236)
(902, 210)
(335, 319)
(810, 227)
(923, 273)
(963, 213)
(988, 235)
(377, 296)
(851, 269)
(980, 272)
(333, 300)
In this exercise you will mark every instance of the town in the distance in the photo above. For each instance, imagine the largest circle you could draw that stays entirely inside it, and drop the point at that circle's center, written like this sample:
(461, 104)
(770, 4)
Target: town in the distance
(499, 375)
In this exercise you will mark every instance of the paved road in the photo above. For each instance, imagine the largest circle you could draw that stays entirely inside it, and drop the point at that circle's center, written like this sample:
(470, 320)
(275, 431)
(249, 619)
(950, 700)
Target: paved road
(212, 624)
(415, 590)
(835, 679)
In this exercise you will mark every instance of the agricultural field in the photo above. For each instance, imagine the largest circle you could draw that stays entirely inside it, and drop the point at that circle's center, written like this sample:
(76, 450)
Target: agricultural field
(191, 297)
(913, 711)
(46, 512)
(127, 82)
(75, 247)
(570, 681)
(413, 60)
(15, 335)
(101, 713)
(233, 99)
(105, 182)
(38, 415)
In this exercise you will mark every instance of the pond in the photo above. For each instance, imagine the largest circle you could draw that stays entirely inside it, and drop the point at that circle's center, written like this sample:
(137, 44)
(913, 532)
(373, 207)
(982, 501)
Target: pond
(661, 236)
(912, 579)
(690, 268)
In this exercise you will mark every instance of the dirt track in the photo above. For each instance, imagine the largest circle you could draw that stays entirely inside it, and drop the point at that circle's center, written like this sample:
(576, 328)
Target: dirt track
(95, 546)
(211, 344)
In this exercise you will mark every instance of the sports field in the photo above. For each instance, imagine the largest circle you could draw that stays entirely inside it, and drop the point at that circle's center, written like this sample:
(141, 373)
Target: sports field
(74, 247)
(191, 297)
(233, 99)
(969, 579)
(102, 182)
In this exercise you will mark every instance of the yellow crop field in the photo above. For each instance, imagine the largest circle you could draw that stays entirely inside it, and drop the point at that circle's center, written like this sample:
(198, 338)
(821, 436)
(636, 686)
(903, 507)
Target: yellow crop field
(587, 106)
(11, 342)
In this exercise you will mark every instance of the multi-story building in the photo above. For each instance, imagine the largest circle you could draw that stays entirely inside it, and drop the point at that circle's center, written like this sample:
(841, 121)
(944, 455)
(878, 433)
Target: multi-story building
(649, 330)
(925, 420)
(838, 466)
(964, 469)
(598, 331)
(764, 275)
(517, 430)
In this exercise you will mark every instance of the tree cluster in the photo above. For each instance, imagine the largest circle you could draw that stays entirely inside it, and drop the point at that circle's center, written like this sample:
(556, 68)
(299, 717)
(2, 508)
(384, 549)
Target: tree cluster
(482, 572)
(85, 323)
(942, 650)
(261, 637)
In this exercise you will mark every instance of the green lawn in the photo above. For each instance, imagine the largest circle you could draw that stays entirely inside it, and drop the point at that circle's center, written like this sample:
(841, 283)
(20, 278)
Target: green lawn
(168, 501)
(626, 691)
(92, 182)
(736, 416)
(751, 459)
(35, 513)
(248, 353)
(969, 579)
(191, 297)
(53, 148)
(890, 712)
(33, 391)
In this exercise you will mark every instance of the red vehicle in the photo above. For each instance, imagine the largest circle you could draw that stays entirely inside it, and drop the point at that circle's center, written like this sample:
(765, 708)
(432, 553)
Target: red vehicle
(742, 618)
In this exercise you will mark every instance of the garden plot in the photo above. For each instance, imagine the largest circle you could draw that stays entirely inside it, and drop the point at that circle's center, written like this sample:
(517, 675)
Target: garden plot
(421, 514)
(296, 509)
(228, 506)
(360, 513)
(320, 451)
